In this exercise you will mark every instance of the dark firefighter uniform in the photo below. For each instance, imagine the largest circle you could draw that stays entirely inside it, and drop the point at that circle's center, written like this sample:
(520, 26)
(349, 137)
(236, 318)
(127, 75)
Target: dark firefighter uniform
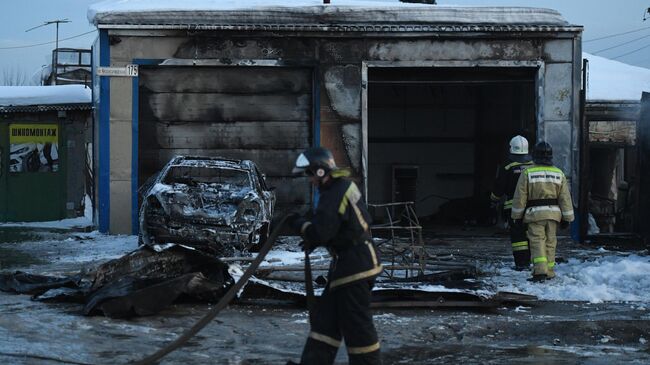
(341, 224)
(505, 184)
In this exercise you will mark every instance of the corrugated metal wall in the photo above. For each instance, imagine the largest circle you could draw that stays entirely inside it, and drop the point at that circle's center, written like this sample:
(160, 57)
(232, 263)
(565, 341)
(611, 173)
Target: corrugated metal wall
(259, 113)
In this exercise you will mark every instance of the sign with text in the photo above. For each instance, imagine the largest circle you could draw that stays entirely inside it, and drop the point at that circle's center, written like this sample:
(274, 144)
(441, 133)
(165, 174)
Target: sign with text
(130, 70)
(33, 148)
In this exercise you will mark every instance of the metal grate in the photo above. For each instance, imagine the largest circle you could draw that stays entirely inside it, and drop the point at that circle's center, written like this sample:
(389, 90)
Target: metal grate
(399, 239)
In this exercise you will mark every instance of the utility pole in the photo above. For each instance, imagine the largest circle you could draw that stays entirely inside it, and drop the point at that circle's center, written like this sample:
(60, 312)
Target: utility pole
(56, 49)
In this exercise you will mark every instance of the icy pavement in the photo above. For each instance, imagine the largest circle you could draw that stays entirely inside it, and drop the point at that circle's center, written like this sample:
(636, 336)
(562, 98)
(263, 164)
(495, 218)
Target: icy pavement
(595, 312)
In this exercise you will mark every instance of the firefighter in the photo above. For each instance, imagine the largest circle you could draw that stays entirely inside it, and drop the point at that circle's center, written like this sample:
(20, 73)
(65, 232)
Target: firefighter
(543, 200)
(506, 180)
(341, 224)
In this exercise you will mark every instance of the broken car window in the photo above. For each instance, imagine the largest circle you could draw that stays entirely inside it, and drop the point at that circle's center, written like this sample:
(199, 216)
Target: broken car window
(194, 175)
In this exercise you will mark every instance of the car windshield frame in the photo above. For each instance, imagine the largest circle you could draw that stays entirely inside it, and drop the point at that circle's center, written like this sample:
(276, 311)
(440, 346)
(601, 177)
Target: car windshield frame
(189, 174)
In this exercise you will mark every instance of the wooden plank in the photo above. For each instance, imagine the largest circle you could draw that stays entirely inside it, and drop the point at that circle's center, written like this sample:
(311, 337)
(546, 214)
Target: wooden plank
(235, 80)
(243, 135)
(617, 132)
(213, 107)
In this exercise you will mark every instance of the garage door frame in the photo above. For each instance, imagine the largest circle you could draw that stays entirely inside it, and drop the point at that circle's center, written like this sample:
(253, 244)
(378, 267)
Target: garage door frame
(539, 92)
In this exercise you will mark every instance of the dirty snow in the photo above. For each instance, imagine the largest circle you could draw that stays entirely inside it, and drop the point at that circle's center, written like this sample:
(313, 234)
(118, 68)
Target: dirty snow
(44, 95)
(614, 80)
(64, 224)
(592, 275)
(69, 223)
(611, 278)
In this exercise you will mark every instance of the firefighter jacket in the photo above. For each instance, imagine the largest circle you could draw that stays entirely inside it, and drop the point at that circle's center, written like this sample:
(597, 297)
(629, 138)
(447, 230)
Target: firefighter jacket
(542, 193)
(506, 181)
(341, 223)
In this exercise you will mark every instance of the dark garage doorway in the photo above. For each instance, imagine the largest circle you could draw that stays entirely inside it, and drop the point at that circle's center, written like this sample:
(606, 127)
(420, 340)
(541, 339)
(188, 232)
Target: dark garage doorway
(436, 136)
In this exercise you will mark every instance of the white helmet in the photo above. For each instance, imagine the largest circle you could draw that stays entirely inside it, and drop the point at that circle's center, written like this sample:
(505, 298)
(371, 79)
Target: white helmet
(519, 145)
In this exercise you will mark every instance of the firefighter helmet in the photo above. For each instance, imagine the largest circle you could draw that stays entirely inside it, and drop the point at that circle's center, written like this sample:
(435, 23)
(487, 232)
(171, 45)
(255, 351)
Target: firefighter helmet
(315, 161)
(543, 153)
(519, 145)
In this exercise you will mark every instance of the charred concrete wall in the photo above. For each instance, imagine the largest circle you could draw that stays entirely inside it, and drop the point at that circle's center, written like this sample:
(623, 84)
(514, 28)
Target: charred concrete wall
(338, 60)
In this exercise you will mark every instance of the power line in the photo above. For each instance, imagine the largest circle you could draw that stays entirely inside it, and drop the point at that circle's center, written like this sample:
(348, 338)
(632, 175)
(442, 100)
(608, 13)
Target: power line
(616, 35)
(634, 51)
(50, 42)
(621, 44)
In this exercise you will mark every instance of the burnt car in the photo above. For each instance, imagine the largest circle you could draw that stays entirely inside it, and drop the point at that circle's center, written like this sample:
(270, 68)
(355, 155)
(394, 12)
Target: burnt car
(217, 205)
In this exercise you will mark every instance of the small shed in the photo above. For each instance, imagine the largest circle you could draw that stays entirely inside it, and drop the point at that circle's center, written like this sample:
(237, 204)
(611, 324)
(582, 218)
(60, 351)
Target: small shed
(45, 138)
(418, 100)
(613, 155)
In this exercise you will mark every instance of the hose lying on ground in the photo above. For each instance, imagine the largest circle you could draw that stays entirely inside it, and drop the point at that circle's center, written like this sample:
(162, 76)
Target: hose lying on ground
(223, 302)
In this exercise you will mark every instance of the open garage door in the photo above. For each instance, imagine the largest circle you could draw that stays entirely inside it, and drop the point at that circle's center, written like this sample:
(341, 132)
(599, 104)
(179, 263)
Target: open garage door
(436, 136)
(262, 114)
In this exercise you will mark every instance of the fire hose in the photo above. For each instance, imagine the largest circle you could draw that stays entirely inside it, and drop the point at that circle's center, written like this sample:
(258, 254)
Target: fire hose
(229, 296)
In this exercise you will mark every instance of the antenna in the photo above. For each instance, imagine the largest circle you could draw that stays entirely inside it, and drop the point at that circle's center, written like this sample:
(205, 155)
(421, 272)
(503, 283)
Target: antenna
(646, 13)
(56, 50)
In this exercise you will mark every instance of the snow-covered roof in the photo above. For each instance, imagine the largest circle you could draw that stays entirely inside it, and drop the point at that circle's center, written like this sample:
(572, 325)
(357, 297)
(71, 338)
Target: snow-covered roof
(44, 95)
(615, 81)
(255, 12)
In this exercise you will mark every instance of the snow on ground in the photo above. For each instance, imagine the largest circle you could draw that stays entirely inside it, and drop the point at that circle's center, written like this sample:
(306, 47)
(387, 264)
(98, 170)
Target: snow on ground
(614, 277)
(99, 247)
(44, 95)
(592, 275)
(70, 223)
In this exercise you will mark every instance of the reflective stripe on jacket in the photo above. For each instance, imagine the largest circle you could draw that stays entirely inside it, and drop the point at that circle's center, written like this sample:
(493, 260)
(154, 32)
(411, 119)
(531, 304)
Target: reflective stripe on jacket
(542, 182)
(342, 224)
(506, 181)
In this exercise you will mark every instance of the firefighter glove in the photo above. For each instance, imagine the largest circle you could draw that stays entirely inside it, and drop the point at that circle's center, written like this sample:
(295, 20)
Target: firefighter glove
(564, 224)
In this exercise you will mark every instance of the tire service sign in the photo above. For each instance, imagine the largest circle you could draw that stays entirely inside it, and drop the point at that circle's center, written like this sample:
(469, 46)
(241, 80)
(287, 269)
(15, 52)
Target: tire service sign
(33, 148)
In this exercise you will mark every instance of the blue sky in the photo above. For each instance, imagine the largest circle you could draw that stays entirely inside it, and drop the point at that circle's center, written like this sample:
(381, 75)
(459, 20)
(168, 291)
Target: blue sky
(599, 17)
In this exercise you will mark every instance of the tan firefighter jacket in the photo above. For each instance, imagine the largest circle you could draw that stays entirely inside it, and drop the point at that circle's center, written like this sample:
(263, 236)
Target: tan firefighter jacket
(542, 193)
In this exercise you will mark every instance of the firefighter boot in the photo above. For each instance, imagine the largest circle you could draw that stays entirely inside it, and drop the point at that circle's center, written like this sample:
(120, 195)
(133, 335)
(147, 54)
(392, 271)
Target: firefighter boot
(538, 278)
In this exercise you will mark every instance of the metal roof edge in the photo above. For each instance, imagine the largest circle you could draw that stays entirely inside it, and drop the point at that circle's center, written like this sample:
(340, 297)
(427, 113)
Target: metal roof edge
(367, 28)
(6, 109)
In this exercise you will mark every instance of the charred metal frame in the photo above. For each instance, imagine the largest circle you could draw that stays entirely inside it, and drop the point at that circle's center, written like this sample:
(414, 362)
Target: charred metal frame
(403, 252)
(315, 125)
(539, 92)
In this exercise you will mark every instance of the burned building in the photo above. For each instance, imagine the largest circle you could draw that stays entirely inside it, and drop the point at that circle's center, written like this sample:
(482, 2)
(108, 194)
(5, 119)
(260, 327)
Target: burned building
(612, 180)
(418, 100)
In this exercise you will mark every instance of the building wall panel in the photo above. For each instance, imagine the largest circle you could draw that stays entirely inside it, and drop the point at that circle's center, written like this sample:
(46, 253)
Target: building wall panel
(558, 92)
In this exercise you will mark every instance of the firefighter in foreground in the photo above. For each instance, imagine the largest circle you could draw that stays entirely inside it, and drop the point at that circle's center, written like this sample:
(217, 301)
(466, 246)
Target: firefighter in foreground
(543, 200)
(341, 224)
(505, 183)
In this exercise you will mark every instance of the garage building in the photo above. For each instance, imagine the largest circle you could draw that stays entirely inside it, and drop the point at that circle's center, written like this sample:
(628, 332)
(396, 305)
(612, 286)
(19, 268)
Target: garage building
(418, 100)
